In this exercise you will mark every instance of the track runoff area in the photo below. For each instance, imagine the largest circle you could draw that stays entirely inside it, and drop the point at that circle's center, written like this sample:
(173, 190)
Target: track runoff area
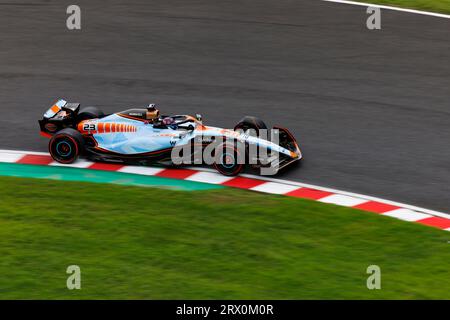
(386, 7)
(205, 176)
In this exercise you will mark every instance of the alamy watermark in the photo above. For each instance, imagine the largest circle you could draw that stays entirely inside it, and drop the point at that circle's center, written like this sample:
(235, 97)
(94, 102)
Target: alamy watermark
(374, 280)
(232, 149)
(74, 280)
(374, 20)
(73, 21)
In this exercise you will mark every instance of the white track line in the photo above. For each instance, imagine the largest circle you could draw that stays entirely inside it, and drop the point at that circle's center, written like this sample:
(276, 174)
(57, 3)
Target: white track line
(342, 200)
(11, 157)
(145, 171)
(407, 215)
(209, 177)
(24, 152)
(363, 4)
(81, 164)
(274, 188)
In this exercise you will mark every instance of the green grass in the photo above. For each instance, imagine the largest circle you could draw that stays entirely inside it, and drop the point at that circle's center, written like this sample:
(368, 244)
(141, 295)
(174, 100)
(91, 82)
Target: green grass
(146, 243)
(440, 6)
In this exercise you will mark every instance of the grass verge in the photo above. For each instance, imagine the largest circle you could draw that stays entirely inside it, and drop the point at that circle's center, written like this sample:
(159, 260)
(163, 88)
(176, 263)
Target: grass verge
(145, 243)
(438, 6)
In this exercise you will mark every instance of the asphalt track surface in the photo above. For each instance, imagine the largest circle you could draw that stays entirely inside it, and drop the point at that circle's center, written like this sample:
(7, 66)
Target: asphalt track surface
(371, 109)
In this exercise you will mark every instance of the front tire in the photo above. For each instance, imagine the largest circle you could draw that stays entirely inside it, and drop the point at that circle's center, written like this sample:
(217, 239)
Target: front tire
(66, 146)
(229, 160)
(250, 123)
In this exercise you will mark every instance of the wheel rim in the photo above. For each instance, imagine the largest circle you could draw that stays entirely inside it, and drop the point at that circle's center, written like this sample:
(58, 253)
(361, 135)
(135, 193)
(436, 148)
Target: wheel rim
(228, 160)
(64, 149)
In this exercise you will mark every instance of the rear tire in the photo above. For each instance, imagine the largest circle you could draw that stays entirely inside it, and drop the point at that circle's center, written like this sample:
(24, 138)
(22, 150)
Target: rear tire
(66, 146)
(89, 113)
(248, 122)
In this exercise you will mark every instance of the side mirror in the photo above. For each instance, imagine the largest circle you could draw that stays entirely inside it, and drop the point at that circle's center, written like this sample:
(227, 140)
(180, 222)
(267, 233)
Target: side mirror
(199, 117)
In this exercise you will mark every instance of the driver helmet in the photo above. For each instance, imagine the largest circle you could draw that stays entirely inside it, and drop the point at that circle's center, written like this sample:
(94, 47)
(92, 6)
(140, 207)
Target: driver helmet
(152, 112)
(168, 121)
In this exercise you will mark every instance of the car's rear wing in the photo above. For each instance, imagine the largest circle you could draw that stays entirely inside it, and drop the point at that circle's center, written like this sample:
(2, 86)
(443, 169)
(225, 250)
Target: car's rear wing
(55, 120)
(57, 107)
(61, 104)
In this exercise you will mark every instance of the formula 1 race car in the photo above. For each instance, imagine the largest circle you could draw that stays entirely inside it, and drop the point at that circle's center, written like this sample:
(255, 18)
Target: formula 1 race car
(143, 136)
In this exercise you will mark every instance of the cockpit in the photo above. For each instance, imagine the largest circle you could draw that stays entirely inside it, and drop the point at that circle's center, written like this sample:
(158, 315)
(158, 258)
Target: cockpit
(151, 115)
